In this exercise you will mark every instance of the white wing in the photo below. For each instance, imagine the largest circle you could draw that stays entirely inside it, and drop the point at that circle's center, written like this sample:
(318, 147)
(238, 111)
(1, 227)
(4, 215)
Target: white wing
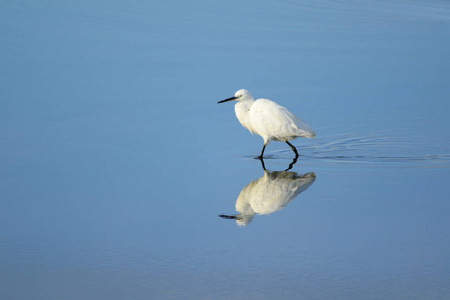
(272, 192)
(276, 122)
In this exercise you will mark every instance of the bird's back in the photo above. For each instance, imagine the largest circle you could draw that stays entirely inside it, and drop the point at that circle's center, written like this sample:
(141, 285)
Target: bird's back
(275, 122)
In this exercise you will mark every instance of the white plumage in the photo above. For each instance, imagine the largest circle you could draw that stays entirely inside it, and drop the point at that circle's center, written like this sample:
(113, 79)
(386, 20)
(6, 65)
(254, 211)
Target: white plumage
(269, 120)
(270, 193)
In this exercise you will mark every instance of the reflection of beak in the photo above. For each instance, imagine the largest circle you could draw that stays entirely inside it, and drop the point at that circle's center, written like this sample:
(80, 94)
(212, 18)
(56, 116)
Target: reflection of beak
(228, 217)
(228, 99)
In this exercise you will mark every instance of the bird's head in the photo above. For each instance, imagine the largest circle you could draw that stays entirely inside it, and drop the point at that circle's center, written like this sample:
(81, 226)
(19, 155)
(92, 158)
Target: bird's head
(240, 95)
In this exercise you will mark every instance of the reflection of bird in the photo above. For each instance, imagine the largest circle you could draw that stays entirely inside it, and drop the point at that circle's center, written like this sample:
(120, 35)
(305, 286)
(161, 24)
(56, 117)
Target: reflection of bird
(270, 193)
(269, 120)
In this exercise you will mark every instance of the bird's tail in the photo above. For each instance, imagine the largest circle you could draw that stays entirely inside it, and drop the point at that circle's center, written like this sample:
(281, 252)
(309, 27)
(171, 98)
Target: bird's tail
(311, 134)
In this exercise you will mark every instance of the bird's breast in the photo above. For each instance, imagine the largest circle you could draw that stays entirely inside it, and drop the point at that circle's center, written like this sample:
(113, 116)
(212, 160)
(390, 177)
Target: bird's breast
(242, 110)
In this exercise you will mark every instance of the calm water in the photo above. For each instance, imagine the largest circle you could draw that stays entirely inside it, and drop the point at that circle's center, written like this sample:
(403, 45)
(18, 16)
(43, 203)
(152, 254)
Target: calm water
(116, 161)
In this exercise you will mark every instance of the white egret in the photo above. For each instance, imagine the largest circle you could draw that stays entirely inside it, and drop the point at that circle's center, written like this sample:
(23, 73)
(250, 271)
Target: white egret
(270, 193)
(269, 120)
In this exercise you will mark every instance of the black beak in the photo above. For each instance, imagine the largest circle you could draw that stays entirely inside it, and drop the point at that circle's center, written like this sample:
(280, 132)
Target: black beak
(228, 99)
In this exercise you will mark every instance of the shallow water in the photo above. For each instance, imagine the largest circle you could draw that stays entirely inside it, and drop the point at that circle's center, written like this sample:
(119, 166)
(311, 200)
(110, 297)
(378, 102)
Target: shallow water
(116, 162)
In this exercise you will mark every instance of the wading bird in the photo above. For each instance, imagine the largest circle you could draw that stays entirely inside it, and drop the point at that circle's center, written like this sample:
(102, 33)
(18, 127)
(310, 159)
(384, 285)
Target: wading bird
(270, 193)
(269, 120)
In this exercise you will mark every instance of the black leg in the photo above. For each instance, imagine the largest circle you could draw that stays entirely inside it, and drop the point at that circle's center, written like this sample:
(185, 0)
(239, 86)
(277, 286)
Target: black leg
(262, 164)
(293, 148)
(262, 152)
(294, 161)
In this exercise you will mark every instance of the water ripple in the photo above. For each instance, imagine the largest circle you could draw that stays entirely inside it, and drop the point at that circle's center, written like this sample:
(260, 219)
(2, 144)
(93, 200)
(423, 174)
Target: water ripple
(374, 149)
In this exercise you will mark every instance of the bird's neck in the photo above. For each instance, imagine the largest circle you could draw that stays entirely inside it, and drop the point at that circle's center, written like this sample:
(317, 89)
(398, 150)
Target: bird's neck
(242, 109)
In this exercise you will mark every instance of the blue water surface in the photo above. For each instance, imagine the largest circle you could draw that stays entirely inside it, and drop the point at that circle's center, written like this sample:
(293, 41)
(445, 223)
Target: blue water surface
(116, 160)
